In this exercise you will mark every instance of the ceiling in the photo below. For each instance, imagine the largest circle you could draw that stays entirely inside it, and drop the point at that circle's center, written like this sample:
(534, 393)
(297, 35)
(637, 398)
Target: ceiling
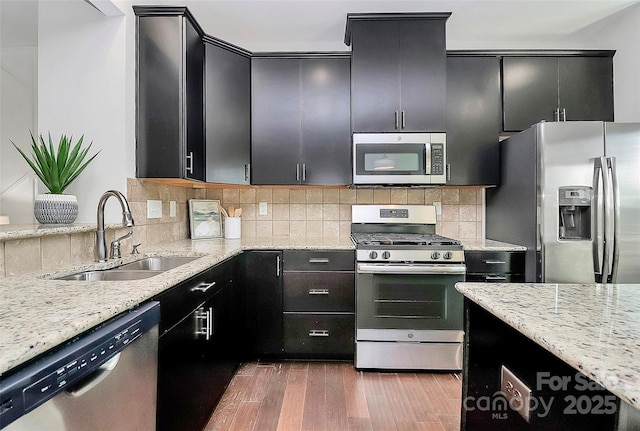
(318, 25)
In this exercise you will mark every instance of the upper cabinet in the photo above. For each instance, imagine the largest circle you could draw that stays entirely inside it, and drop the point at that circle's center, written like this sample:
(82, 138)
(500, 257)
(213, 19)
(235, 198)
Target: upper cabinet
(227, 113)
(473, 120)
(170, 88)
(300, 121)
(576, 87)
(398, 72)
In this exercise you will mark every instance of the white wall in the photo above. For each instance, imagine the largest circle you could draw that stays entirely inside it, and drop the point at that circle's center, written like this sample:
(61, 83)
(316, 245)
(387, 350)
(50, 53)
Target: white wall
(82, 90)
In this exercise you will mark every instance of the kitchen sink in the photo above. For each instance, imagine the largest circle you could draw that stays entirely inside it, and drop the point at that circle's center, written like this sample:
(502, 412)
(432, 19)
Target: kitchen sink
(110, 275)
(143, 268)
(157, 263)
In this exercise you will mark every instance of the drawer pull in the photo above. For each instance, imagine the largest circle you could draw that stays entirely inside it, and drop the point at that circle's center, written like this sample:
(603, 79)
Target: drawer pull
(318, 291)
(203, 287)
(318, 333)
(319, 260)
(494, 262)
(494, 278)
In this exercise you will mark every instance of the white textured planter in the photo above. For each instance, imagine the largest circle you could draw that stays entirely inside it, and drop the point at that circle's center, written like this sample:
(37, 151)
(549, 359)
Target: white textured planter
(55, 209)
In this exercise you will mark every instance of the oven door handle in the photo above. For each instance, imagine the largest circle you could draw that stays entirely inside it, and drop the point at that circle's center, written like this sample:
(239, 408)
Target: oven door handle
(364, 268)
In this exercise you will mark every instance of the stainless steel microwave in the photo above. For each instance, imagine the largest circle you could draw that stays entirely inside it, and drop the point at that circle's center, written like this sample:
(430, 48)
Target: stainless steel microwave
(399, 158)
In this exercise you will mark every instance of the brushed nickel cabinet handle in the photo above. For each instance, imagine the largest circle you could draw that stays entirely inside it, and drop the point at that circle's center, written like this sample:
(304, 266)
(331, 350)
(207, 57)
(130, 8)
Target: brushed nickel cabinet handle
(318, 333)
(318, 291)
(203, 287)
(189, 167)
(319, 260)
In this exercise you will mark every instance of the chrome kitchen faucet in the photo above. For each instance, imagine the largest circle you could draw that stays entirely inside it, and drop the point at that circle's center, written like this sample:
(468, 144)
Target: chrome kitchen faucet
(100, 251)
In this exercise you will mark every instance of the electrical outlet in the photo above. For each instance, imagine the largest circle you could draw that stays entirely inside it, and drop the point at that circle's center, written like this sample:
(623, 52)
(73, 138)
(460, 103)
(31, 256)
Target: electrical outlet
(516, 392)
(262, 208)
(172, 208)
(154, 209)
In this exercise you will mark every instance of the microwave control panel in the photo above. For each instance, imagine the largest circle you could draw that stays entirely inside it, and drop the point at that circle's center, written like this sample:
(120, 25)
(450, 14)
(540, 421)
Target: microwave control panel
(437, 159)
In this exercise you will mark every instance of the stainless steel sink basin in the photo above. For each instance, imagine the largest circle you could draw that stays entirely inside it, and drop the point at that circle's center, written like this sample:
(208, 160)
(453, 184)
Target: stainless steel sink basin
(110, 275)
(157, 263)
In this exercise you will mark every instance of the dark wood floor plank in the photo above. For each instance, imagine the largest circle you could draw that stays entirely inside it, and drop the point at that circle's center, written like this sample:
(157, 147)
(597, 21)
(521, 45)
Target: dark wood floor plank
(245, 418)
(379, 412)
(398, 402)
(228, 406)
(416, 398)
(313, 418)
(335, 399)
(359, 424)
(258, 384)
(450, 422)
(269, 412)
(246, 369)
(430, 426)
(438, 398)
(294, 400)
(354, 392)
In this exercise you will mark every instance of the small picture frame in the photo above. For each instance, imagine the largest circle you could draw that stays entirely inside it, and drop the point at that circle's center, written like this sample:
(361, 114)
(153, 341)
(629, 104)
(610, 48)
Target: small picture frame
(204, 218)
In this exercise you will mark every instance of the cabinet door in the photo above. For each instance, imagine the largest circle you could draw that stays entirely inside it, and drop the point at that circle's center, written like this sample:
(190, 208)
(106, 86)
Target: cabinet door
(473, 120)
(326, 132)
(530, 86)
(375, 83)
(227, 115)
(194, 104)
(422, 76)
(586, 88)
(276, 123)
(263, 290)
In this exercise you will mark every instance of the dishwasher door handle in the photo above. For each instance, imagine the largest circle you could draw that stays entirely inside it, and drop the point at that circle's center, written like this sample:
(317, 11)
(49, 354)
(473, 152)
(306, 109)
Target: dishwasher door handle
(94, 379)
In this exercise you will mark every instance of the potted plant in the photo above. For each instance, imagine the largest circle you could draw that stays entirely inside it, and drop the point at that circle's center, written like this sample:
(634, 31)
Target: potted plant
(57, 167)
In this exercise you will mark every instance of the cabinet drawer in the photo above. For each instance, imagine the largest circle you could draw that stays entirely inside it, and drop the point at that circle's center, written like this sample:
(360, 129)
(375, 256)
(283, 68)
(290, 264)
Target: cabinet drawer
(494, 262)
(319, 291)
(179, 301)
(319, 334)
(319, 260)
(494, 278)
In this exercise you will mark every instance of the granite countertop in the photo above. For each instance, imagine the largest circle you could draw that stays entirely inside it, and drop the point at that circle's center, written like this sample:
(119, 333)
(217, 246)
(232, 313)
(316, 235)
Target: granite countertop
(49, 312)
(595, 328)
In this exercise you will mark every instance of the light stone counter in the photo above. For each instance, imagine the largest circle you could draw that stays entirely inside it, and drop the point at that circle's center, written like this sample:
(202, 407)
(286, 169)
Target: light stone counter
(38, 313)
(490, 245)
(594, 328)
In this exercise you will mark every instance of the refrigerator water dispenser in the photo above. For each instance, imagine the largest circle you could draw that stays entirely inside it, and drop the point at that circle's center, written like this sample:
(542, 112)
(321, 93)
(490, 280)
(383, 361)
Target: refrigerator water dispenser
(574, 213)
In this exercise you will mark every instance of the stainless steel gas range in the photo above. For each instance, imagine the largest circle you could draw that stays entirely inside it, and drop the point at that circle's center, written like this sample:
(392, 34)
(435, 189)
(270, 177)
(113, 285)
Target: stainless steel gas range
(408, 312)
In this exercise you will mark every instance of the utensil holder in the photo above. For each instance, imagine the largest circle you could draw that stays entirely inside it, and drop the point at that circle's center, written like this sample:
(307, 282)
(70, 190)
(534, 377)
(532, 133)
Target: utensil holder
(232, 228)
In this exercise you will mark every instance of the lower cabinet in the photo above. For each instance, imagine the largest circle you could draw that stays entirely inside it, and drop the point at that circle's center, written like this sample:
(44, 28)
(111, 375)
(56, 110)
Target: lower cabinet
(495, 266)
(196, 353)
(561, 398)
(318, 304)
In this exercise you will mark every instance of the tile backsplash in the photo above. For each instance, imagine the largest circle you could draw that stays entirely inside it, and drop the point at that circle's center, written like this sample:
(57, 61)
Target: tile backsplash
(295, 211)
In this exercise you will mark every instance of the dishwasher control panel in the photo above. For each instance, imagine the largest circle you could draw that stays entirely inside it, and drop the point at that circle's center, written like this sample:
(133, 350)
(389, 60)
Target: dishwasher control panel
(69, 368)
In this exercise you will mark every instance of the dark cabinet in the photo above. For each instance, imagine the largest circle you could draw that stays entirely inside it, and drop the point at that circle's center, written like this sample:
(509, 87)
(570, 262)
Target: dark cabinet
(170, 88)
(495, 266)
(227, 113)
(263, 303)
(398, 72)
(319, 304)
(300, 121)
(556, 88)
(473, 120)
(196, 352)
(576, 403)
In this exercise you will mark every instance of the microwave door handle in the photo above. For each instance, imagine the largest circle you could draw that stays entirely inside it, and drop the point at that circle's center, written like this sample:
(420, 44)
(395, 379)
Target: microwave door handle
(427, 159)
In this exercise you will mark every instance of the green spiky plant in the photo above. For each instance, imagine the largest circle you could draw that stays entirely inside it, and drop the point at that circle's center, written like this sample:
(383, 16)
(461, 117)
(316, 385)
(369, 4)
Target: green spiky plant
(57, 167)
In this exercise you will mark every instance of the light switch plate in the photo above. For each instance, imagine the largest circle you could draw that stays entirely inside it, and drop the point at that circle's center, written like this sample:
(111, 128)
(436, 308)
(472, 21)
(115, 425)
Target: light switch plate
(154, 209)
(262, 208)
(172, 208)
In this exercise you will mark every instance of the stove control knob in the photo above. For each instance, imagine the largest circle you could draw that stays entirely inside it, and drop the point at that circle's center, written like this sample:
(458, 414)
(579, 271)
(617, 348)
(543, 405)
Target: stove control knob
(435, 255)
(386, 255)
(447, 255)
(373, 255)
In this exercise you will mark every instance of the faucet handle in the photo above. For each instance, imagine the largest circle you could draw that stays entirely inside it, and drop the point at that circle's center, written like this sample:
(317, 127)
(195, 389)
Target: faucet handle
(135, 248)
(115, 245)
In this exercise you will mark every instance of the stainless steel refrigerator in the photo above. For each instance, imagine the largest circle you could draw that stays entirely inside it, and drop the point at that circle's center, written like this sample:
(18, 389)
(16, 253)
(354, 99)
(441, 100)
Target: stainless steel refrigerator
(570, 193)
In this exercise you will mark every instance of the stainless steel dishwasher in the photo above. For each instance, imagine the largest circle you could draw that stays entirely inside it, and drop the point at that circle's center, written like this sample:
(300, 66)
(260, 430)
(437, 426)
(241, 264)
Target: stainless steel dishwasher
(102, 380)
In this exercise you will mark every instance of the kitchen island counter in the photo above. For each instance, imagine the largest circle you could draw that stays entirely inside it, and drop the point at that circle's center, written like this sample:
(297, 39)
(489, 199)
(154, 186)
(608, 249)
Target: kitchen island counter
(594, 328)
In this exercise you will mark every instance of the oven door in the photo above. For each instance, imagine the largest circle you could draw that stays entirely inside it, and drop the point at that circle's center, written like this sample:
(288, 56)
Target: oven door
(419, 298)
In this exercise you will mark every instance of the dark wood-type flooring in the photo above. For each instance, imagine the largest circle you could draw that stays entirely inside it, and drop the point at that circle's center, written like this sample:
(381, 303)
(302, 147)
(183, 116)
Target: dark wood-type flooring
(319, 396)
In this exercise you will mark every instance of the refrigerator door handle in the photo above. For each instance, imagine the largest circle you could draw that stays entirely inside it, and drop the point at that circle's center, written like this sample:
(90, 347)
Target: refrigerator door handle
(615, 202)
(598, 174)
(609, 217)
